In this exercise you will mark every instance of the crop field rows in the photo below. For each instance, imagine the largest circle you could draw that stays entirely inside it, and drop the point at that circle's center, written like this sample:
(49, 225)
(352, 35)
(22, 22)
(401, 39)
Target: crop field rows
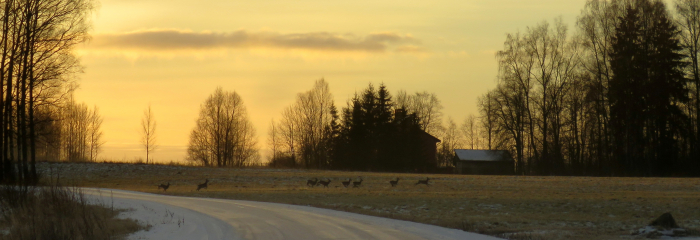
(526, 207)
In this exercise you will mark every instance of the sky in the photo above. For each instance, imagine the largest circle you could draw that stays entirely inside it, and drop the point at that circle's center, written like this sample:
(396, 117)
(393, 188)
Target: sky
(172, 54)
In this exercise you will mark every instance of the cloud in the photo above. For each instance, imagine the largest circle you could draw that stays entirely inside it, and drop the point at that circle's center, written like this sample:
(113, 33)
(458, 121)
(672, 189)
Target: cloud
(409, 49)
(168, 40)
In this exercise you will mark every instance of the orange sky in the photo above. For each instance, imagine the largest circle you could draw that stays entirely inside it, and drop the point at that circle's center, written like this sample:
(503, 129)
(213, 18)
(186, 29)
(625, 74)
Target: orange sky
(172, 54)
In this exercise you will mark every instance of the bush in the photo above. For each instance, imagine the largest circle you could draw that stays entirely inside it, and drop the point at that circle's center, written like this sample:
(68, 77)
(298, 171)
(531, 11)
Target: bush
(57, 213)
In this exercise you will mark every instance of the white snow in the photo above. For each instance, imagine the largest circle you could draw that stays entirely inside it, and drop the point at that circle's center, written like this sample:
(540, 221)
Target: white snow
(205, 218)
(165, 221)
(653, 232)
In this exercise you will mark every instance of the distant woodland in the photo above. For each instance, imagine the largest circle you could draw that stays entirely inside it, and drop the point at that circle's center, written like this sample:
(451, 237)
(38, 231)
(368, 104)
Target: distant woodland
(616, 95)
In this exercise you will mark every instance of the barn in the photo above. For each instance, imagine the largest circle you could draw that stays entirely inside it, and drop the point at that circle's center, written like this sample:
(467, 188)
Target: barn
(483, 162)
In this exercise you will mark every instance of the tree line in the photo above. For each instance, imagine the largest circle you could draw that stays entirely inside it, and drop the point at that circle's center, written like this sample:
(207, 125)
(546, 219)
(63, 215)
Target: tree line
(37, 69)
(373, 131)
(620, 97)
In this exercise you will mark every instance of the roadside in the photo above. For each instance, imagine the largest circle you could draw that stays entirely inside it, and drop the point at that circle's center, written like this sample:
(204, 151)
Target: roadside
(54, 212)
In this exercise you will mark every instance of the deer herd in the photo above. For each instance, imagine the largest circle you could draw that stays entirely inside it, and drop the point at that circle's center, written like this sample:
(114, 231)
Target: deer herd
(356, 184)
(199, 186)
(312, 183)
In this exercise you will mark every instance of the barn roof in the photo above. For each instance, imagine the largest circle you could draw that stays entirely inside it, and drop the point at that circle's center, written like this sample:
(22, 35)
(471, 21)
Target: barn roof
(482, 155)
(427, 136)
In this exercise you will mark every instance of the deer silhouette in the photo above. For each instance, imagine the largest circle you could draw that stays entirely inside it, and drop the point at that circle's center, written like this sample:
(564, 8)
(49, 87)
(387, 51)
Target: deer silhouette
(357, 184)
(164, 187)
(312, 183)
(394, 183)
(423, 182)
(325, 183)
(203, 185)
(346, 183)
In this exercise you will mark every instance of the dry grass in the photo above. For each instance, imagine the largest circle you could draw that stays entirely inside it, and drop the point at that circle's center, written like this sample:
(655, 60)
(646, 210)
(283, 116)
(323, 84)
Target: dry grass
(55, 213)
(515, 207)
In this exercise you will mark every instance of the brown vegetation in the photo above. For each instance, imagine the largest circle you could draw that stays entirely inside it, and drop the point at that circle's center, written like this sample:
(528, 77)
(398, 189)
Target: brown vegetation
(58, 213)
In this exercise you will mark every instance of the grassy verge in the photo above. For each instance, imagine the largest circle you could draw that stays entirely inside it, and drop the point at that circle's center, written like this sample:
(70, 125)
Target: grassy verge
(55, 213)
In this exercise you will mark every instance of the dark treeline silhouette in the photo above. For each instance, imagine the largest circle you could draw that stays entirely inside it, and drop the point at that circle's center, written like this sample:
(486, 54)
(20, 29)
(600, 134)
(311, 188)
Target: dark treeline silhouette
(620, 98)
(36, 68)
(371, 133)
(374, 135)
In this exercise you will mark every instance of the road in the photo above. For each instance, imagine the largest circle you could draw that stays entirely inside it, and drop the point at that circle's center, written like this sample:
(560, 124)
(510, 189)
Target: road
(207, 218)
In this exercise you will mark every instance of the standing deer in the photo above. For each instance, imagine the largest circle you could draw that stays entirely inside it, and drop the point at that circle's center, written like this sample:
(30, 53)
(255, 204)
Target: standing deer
(357, 184)
(312, 183)
(164, 187)
(346, 183)
(423, 182)
(325, 184)
(394, 183)
(203, 185)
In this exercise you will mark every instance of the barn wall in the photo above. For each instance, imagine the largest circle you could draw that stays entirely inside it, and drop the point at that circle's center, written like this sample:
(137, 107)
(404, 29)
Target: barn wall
(485, 167)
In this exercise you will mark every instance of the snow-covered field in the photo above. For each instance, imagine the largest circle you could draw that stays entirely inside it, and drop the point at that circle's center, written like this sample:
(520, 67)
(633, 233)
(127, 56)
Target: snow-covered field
(521, 207)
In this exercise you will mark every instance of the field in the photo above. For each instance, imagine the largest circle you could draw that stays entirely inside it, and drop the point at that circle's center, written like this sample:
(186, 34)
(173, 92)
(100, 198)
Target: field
(521, 207)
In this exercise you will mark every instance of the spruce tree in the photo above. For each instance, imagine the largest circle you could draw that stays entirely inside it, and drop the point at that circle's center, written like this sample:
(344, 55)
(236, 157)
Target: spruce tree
(645, 91)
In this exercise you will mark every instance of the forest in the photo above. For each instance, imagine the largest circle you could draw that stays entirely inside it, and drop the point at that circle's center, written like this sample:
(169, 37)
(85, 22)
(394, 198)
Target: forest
(618, 94)
(619, 97)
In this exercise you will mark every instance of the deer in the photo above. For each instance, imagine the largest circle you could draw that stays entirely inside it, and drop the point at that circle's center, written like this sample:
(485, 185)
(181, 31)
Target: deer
(203, 185)
(325, 184)
(394, 183)
(357, 184)
(312, 183)
(346, 183)
(164, 187)
(423, 182)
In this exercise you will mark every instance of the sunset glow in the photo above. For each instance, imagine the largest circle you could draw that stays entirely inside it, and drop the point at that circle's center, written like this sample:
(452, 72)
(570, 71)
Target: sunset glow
(173, 54)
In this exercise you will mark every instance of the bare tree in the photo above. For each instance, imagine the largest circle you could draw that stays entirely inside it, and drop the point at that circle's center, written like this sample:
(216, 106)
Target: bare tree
(81, 136)
(95, 133)
(597, 25)
(535, 73)
(304, 127)
(688, 19)
(471, 133)
(427, 108)
(224, 135)
(148, 133)
(273, 141)
(451, 140)
(37, 39)
(75, 134)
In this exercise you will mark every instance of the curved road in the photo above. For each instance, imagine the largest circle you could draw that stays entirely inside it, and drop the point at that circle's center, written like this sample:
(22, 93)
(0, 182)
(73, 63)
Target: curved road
(236, 219)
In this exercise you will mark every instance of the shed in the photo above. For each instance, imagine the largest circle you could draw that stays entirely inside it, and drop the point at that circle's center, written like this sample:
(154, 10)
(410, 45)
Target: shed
(483, 162)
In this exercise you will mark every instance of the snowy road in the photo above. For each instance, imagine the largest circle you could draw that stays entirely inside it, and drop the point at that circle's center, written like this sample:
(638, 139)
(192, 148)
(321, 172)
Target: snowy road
(206, 218)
